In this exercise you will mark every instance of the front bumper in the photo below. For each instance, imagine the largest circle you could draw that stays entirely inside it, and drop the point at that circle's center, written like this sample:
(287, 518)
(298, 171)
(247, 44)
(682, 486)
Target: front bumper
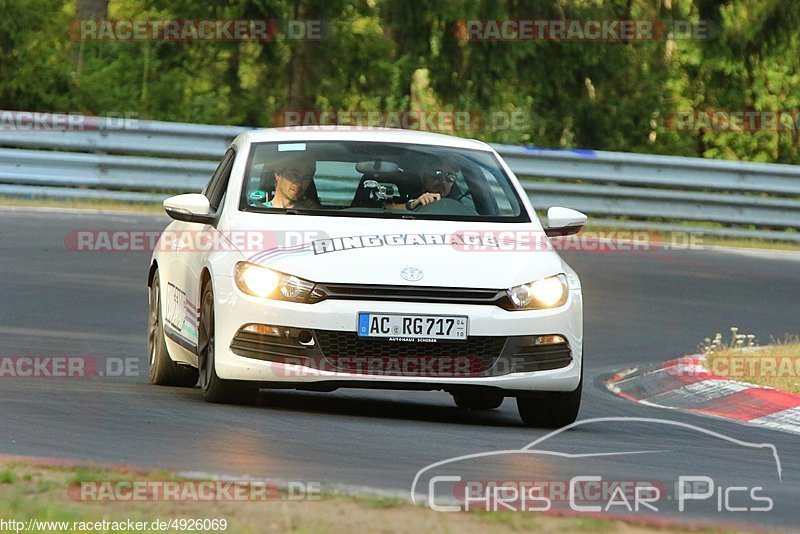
(496, 337)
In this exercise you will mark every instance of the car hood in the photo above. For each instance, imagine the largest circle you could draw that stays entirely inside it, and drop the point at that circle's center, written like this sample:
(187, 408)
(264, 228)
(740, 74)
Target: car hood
(399, 251)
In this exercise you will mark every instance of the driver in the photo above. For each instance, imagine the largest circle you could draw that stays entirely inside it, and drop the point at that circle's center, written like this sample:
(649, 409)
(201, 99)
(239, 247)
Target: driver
(438, 176)
(292, 181)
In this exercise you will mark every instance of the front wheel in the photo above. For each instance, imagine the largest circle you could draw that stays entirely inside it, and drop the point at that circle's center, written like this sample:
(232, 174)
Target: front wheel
(550, 409)
(215, 389)
(162, 370)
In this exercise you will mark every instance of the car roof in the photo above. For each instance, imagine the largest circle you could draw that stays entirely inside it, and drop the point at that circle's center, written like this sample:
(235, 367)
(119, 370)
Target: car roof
(357, 133)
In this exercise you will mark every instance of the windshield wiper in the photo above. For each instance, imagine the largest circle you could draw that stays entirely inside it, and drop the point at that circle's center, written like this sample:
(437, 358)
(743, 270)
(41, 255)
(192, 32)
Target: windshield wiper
(296, 211)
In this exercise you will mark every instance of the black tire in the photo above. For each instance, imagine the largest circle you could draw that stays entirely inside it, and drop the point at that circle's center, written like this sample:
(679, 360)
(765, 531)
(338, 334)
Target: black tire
(478, 401)
(550, 409)
(213, 388)
(162, 369)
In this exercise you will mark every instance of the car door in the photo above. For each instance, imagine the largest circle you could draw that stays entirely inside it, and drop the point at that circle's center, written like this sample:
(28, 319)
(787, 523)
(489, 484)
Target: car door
(192, 243)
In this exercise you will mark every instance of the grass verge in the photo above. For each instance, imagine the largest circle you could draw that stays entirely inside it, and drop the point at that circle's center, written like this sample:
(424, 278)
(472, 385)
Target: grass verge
(84, 204)
(776, 365)
(702, 240)
(42, 493)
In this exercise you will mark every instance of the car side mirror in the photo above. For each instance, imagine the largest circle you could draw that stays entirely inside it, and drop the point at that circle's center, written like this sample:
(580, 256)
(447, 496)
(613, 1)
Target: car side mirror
(191, 207)
(564, 221)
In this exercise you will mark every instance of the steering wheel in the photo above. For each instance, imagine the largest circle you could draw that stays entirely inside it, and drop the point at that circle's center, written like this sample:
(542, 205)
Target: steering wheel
(446, 206)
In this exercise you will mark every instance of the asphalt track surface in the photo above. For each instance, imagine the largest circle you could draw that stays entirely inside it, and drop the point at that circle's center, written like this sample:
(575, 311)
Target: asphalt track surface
(640, 307)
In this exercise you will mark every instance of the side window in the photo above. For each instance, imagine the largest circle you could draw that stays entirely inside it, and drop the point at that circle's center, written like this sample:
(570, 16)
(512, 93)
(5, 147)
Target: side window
(502, 194)
(464, 195)
(336, 182)
(215, 189)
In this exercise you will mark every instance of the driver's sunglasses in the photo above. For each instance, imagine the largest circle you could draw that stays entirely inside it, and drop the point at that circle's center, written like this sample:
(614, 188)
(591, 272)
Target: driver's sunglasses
(444, 175)
(297, 176)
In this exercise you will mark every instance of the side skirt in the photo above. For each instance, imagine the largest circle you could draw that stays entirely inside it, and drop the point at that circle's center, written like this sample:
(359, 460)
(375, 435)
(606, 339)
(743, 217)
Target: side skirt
(180, 340)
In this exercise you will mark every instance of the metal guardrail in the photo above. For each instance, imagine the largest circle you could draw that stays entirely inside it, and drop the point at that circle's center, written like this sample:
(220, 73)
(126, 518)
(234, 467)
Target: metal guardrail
(119, 136)
(144, 161)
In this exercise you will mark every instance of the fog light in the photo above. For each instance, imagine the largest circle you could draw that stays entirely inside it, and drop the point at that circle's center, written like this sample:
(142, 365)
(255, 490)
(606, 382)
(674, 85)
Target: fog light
(263, 329)
(549, 340)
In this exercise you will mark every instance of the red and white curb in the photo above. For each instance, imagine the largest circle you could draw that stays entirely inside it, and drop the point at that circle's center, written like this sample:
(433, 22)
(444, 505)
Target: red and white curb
(686, 384)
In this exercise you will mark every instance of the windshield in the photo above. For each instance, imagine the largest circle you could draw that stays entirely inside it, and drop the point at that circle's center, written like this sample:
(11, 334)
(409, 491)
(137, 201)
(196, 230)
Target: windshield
(387, 180)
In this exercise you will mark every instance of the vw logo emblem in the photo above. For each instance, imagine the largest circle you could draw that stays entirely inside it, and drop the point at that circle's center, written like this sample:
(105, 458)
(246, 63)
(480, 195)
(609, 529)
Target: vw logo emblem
(412, 274)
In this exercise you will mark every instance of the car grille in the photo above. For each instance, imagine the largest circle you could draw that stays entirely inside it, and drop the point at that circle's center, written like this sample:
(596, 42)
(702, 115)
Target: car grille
(345, 351)
(451, 295)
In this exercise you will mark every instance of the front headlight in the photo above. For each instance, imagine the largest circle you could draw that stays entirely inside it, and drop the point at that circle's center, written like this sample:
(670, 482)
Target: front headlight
(544, 293)
(265, 283)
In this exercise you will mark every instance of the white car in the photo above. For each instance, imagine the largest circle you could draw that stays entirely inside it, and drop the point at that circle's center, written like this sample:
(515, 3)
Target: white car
(327, 257)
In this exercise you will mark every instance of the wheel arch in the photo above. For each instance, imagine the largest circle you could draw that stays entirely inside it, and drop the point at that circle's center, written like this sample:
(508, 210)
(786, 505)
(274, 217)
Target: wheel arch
(151, 273)
(205, 278)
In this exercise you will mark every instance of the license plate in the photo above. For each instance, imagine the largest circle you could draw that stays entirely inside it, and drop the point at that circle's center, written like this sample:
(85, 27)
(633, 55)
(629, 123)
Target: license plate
(412, 327)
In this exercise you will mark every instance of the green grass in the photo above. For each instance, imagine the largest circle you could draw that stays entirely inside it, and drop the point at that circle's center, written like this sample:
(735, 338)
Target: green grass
(776, 366)
(708, 240)
(40, 492)
(86, 204)
(381, 502)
